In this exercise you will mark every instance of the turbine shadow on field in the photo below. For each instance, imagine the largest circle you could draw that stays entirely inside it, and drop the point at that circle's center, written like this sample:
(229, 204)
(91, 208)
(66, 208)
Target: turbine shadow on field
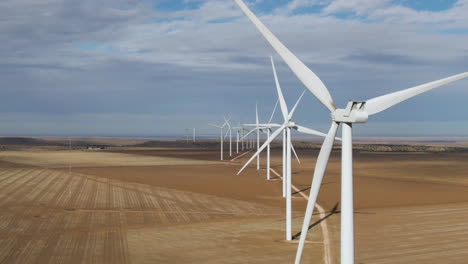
(332, 212)
(305, 189)
(308, 188)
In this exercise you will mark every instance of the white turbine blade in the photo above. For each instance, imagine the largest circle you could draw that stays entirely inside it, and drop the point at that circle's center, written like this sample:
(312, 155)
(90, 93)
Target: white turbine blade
(226, 121)
(248, 133)
(295, 154)
(272, 125)
(284, 107)
(295, 106)
(272, 137)
(256, 114)
(274, 110)
(309, 131)
(307, 77)
(263, 125)
(215, 125)
(227, 132)
(320, 168)
(381, 103)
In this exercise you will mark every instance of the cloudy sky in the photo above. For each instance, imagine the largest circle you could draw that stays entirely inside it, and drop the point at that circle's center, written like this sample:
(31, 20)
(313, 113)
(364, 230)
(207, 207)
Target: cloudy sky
(153, 68)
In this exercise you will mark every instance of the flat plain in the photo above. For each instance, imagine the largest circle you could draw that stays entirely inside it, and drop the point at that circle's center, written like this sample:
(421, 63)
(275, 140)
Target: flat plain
(135, 205)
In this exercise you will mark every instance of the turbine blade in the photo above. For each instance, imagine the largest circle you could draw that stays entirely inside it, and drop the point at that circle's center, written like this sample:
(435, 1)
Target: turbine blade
(248, 133)
(309, 131)
(226, 121)
(307, 77)
(256, 114)
(273, 125)
(320, 168)
(295, 106)
(284, 107)
(263, 125)
(270, 139)
(274, 110)
(295, 154)
(215, 125)
(379, 104)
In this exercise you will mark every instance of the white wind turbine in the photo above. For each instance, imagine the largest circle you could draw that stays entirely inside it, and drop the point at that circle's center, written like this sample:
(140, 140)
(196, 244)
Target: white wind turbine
(256, 129)
(268, 127)
(355, 112)
(230, 135)
(238, 130)
(221, 128)
(286, 129)
(243, 143)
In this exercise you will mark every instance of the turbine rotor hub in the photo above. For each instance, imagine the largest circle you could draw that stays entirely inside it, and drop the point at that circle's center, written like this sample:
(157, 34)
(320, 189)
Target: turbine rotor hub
(354, 113)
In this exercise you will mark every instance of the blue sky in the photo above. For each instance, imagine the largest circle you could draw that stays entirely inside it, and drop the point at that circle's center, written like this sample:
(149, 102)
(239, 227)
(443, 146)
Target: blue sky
(153, 68)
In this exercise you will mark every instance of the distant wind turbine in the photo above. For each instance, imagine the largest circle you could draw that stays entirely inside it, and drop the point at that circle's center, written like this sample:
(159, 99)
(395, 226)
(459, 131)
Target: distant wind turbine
(286, 129)
(256, 129)
(221, 128)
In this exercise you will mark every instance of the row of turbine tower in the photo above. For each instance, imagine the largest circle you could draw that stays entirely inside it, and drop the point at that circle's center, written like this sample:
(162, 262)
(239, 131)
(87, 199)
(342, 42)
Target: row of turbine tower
(244, 141)
(252, 133)
(355, 112)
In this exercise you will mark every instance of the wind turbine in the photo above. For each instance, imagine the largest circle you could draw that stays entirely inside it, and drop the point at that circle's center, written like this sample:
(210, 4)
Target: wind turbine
(260, 128)
(268, 127)
(230, 135)
(257, 130)
(238, 131)
(354, 113)
(221, 128)
(258, 135)
(187, 135)
(286, 129)
(242, 138)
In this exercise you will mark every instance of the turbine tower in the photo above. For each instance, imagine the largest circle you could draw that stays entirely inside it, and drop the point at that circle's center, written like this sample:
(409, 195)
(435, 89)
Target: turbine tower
(221, 128)
(268, 129)
(230, 135)
(256, 129)
(355, 113)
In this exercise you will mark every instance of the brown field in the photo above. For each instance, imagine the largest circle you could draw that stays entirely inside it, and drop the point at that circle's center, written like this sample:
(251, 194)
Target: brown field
(62, 159)
(183, 206)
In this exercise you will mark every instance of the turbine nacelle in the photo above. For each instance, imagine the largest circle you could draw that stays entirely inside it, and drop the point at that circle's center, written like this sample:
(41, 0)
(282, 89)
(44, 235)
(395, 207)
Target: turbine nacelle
(291, 124)
(354, 113)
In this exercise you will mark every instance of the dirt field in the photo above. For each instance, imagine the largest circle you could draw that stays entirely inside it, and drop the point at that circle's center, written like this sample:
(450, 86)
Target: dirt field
(52, 216)
(410, 208)
(64, 159)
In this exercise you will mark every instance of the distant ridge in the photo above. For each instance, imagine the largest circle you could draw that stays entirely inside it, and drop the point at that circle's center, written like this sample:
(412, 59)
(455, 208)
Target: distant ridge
(25, 141)
(28, 141)
(178, 144)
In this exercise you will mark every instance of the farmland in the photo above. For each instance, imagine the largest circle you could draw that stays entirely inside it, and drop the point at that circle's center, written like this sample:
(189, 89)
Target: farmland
(179, 206)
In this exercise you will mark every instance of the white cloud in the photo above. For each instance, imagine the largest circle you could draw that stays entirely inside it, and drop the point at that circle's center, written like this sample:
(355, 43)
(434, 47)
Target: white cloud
(360, 7)
(297, 4)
